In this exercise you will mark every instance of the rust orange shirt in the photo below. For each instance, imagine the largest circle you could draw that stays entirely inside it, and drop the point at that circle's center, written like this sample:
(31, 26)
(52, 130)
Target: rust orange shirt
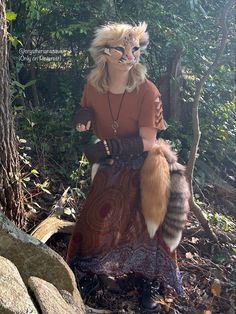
(140, 108)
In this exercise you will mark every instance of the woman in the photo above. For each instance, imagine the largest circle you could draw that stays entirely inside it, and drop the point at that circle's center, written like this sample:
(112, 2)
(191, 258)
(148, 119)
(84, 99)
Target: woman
(125, 112)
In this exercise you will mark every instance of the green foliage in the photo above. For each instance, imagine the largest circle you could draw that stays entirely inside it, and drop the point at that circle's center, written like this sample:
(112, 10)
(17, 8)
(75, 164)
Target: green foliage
(10, 16)
(218, 124)
(189, 27)
(14, 40)
(30, 177)
(18, 90)
(221, 221)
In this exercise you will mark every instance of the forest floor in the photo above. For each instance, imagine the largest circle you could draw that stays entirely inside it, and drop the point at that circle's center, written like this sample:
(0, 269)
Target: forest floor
(209, 279)
(208, 270)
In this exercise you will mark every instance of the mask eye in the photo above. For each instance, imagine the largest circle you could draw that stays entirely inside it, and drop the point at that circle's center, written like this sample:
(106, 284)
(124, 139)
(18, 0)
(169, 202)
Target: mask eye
(120, 49)
(135, 49)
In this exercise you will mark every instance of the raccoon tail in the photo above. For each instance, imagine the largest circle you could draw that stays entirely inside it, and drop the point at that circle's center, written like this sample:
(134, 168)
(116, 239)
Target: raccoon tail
(178, 207)
(155, 185)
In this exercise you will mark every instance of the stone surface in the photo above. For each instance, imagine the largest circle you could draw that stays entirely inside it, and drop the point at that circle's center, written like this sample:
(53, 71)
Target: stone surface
(14, 297)
(69, 299)
(33, 258)
(49, 298)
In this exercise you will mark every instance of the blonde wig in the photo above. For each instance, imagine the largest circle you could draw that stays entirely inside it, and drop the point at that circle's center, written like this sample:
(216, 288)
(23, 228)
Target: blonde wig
(111, 35)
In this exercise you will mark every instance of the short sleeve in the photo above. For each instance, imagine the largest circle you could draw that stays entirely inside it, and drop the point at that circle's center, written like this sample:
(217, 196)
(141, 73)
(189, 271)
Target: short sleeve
(151, 111)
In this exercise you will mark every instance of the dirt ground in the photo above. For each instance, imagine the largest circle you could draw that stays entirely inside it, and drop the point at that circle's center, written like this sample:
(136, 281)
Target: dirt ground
(209, 278)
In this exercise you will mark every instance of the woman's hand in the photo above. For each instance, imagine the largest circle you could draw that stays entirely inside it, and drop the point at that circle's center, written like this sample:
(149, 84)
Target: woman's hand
(83, 119)
(82, 127)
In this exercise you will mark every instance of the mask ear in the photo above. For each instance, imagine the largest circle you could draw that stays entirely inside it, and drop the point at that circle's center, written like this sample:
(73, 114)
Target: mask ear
(144, 41)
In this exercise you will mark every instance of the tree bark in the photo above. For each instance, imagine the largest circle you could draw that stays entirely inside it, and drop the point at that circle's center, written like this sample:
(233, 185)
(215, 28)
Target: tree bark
(170, 85)
(195, 119)
(11, 195)
(176, 79)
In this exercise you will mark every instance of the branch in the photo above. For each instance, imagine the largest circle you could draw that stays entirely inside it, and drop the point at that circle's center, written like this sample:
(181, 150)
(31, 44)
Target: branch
(195, 118)
(199, 86)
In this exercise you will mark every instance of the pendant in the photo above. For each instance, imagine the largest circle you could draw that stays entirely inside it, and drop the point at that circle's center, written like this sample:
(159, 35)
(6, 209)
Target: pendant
(115, 126)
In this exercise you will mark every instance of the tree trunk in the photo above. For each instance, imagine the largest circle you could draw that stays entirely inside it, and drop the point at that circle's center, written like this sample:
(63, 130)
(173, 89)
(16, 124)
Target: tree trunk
(170, 85)
(11, 195)
(175, 72)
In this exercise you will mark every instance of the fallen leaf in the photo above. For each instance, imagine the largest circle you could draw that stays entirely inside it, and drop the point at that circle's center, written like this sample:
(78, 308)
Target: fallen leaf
(194, 240)
(216, 288)
(189, 255)
(207, 312)
(166, 304)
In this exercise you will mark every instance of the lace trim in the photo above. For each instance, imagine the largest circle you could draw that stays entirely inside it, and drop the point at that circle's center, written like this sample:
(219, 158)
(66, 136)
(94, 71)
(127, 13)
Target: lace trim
(152, 263)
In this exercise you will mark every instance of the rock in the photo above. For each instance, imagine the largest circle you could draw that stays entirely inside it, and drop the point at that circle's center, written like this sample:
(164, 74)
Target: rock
(49, 298)
(33, 258)
(69, 299)
(14, 297)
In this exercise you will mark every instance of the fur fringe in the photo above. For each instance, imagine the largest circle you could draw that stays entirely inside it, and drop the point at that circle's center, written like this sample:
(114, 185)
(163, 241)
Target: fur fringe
(178, 208)
(155, 187)
(164, 194)
(112, 35)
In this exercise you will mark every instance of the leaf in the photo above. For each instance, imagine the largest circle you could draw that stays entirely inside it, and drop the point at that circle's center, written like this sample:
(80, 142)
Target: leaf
(18, 84)
(43, 186)
(26, 179)
(22, 140)
(226, 227)
(36, 204)
(194, 240)
(67, 211)
(35, 172)
(203, 11)
(30, 83)
(19, 108)
(11, 16)
(207, 312)
(45, 190)
(216, 288)
(205, 59)
(14, 40)
(31, 123)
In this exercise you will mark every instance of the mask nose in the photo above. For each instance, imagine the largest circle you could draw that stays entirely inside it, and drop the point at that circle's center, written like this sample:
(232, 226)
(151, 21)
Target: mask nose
(130, 57)
(129, 54)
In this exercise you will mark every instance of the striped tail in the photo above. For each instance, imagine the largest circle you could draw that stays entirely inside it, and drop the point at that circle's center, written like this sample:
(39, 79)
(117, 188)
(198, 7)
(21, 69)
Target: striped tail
(178, 207)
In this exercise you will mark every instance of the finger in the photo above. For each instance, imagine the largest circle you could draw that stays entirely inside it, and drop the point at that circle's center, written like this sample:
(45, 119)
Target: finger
(88, 125)
(82, 128)
(78, 126)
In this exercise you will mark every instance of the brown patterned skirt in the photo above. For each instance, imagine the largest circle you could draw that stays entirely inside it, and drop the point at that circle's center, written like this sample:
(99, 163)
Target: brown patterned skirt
(110, 236)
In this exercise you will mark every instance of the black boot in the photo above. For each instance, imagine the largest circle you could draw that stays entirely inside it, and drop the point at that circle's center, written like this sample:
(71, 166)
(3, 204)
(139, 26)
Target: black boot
(151, 295)
(88, 284)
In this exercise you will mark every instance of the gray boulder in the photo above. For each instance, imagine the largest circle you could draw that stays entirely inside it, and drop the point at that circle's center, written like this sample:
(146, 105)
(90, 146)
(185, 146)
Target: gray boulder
(49, 298)
(33, 258)
(14, 297)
